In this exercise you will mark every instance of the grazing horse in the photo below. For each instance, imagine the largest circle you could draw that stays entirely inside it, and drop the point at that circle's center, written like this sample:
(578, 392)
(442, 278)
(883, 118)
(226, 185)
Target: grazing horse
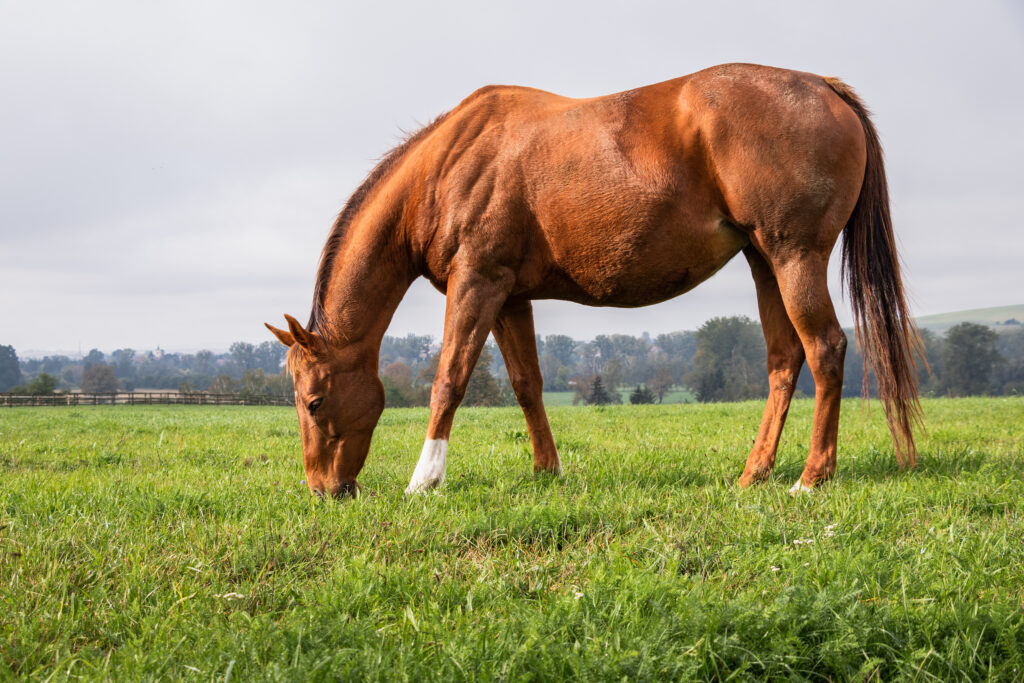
(625, 200)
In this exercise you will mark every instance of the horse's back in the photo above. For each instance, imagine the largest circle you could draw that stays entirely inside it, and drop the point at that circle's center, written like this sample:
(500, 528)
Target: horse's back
(634, 197)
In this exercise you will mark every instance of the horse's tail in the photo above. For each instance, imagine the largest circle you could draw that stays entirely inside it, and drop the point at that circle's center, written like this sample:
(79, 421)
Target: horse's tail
(886, 333)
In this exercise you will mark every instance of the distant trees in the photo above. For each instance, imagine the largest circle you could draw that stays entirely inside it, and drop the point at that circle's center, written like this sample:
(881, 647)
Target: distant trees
(484, 389)
(660, 382)
(94, 357)
(256, 382)
(722, 361)
(10, 371)
(244, 355)
(969, 357)
(412, 350)
(99, 377)
(556, 360)
(400, 391)
(223, 384)
(40, 384)
(730, 362)
(123, 362)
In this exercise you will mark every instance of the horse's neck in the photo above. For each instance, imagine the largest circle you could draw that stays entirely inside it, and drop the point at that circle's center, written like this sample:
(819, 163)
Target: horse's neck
(369, 279)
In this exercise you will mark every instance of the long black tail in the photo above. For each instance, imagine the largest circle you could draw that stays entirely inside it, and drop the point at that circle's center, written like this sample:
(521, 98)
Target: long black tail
(886, 333)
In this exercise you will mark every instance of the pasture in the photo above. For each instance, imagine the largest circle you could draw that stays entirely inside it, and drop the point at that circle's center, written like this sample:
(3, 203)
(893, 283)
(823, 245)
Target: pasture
(178, 542)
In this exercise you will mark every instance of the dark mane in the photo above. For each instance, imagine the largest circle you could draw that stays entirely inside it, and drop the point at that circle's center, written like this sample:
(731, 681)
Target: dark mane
(318, 317)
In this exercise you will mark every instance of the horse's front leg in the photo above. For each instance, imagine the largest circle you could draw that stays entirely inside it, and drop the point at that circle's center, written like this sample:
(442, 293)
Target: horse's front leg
(473, 302)
(514, 332)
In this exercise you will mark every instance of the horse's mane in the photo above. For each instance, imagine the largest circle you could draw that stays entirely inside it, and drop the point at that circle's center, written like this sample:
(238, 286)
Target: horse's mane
(318, 317)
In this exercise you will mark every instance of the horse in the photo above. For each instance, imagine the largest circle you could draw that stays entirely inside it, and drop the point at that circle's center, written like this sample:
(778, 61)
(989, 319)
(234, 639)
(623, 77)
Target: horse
(624, 200)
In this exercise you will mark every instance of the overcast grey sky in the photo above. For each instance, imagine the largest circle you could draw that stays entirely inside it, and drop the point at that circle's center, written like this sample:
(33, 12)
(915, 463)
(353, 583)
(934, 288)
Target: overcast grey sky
(169, 172)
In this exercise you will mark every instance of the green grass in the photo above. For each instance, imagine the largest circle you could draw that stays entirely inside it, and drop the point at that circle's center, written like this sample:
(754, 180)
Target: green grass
(178, 542)
(554, 399)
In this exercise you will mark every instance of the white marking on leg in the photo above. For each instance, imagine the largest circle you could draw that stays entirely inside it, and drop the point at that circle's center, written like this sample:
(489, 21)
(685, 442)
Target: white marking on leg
(429, 470)
(799, 487)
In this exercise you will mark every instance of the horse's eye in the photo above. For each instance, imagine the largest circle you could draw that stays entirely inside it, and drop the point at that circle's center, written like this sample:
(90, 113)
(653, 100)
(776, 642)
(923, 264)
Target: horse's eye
(314, 405)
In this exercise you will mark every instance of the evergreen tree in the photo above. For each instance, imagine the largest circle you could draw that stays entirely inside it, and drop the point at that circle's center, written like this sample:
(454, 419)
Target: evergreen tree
(598, 394)
(484, 389)
(641, 395)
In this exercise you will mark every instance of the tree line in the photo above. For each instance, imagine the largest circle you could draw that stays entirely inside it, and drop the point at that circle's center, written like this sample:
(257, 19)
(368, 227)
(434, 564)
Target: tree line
(250, 369)
(724, 360)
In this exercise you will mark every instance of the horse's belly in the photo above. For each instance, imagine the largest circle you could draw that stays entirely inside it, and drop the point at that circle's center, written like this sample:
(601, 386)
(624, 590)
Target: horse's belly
(639, 268)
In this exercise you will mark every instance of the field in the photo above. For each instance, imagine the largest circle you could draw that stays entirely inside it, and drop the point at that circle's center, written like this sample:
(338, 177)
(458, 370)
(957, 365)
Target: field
(554, 399)
(178, 542)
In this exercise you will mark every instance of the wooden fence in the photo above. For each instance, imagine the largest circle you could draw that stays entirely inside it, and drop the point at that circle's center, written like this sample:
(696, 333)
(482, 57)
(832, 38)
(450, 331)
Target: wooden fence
(137, 398)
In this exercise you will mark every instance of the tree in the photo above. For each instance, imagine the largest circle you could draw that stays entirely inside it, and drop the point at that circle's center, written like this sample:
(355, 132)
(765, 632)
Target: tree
(94, 357)
(484, 389)
(270, 356)
(204, 362)
(123, 362)
(98, 378)
(660, 383)
(244, 355)
(930, 376)
(10, 370)
(52, 365)
(580, 385)
(399, 372)
(730, 361)
(429, 371)
(223, 384)
(641, 395)
(399, 390)
(40, 384)
(561, 382)
(561, 347)
(969, 357)
(613, 372)
(395, 395)
(599, 396)
(676, 350)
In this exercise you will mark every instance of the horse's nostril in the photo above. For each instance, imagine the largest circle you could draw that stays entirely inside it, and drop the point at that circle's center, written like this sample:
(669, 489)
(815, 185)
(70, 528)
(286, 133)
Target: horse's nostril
(346, 489)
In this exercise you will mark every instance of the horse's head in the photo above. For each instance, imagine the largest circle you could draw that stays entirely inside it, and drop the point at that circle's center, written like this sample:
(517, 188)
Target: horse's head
(339, 398)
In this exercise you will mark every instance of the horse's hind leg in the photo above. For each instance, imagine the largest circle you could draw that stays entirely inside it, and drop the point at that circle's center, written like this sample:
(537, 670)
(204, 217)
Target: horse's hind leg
(785, 357)
(804, 288)
(473, 302)
(514, 331)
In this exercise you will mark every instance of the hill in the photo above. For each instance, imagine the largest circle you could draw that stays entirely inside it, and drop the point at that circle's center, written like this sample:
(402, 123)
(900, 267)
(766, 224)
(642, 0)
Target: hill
(995, 317)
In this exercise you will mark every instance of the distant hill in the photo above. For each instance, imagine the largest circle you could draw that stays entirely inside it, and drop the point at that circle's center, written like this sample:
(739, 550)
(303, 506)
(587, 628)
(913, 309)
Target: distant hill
(996, 318)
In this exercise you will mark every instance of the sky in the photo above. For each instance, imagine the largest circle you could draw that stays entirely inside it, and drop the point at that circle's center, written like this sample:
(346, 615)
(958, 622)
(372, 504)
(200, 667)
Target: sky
(169, 171)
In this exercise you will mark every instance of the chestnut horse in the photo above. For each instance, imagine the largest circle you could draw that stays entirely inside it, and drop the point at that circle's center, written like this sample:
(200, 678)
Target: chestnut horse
(625, 200)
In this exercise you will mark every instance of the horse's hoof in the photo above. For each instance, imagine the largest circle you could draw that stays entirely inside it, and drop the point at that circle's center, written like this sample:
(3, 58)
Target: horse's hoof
(748, 480)
(800, 487)
(423, 486)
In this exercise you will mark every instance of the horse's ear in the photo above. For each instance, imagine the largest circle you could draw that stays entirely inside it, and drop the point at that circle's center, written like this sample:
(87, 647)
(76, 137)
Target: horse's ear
(285, 338)
(303, 338)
